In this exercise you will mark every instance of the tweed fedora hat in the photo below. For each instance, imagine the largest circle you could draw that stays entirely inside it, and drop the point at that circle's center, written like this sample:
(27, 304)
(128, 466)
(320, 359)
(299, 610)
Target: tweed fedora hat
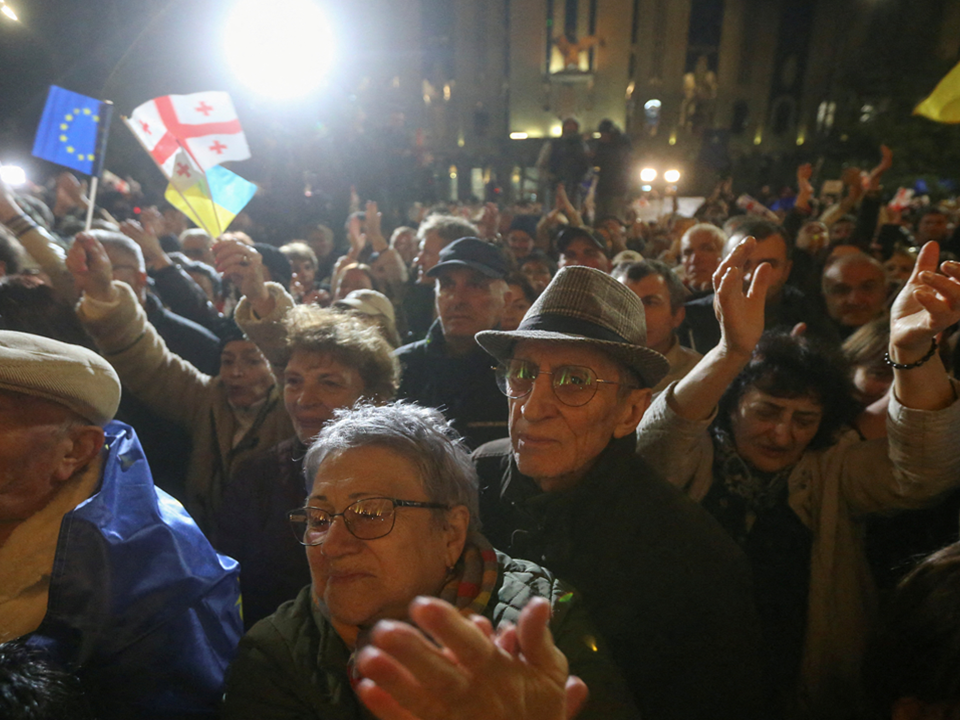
(586, 307)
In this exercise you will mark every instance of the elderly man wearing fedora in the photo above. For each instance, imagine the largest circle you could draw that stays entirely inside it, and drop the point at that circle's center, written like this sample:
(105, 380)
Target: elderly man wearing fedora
(448, 370)
(666, 587)
(98, 568)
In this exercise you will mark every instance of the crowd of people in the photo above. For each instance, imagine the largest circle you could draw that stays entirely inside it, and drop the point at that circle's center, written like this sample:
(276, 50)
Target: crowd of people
(510, 461)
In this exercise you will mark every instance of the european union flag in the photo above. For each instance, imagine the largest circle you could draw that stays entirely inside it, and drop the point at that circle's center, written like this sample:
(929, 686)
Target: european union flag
(72, 131)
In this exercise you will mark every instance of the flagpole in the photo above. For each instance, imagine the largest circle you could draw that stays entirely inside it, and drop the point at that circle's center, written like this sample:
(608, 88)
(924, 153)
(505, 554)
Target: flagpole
(91, 202)
(100, 152)
(126, 121)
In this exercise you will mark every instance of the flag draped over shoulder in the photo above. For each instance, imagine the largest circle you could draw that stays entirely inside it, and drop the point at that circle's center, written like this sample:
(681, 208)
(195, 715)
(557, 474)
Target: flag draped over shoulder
(204, 123)
(943, 104)
(73, 131)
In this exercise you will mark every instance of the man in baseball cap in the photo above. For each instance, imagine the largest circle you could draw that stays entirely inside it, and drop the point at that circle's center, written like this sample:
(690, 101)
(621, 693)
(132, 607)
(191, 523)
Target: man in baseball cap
(667, 588)
(100, 569)
(448, 370)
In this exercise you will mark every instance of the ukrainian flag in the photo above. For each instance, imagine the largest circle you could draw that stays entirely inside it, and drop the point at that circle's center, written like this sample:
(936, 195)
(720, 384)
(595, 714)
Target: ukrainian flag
(213, 203)
(72, 129)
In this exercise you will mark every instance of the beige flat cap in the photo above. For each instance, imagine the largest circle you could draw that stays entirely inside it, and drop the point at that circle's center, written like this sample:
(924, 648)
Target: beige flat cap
(63, 373)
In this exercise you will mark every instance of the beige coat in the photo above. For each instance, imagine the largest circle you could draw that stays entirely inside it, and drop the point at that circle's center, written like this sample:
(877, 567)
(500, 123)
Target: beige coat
(831, 491)
(175, 389)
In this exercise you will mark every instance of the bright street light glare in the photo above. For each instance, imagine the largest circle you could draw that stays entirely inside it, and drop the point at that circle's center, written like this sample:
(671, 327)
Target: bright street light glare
(12, 175)
(8, 11)
(672, 176)
(648, 174)
(280, 49)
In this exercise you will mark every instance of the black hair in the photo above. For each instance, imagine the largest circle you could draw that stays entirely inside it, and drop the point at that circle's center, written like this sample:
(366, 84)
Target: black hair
(786, 366)
(31, 307)
(762, 229)
(915, 651)
(519, 279)
(33, 688)
(276, 262)
(634, 272)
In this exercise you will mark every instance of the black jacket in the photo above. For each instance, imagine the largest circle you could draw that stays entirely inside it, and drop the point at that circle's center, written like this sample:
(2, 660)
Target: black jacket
(464, 388)
(665, 585)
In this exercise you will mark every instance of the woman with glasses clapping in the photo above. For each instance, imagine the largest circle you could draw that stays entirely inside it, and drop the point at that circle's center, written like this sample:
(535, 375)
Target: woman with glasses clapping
(390, 525)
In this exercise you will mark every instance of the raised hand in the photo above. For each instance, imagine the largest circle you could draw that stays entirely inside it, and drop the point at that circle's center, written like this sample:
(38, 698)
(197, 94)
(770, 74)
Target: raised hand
(90, 266)
(739, 309)
(153, 253)
(518, 673)
(886, 162)
(373, 235)
(489, 222)
(928, 304)
(357, 238)
(242, 265)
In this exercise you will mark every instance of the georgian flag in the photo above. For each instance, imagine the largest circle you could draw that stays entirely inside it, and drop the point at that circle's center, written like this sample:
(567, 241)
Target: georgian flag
(205, 124)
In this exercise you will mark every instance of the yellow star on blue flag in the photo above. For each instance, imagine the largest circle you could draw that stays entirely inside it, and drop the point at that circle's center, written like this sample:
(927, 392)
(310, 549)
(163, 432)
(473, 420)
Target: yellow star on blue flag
(72, 131)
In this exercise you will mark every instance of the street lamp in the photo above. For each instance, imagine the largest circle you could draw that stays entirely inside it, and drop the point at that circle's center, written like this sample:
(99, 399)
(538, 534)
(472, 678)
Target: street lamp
(648, 175)
(672, 176)
(8, 11)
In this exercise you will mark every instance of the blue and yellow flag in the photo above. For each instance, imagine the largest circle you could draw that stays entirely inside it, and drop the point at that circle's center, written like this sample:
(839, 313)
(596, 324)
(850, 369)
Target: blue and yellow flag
(943, 104)
(73, 131)
(211, 201)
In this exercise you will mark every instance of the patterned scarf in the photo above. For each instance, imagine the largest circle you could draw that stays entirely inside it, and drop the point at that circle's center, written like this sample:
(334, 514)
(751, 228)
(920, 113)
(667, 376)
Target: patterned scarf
(740, 492)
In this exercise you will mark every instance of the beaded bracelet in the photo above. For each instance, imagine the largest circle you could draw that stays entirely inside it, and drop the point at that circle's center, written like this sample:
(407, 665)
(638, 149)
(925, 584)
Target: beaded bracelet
(910, 366)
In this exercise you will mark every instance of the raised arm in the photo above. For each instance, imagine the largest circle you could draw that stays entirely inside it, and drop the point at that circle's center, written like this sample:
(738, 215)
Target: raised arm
(928, 304)
(41, 246)
(741, 317)
(109, 311)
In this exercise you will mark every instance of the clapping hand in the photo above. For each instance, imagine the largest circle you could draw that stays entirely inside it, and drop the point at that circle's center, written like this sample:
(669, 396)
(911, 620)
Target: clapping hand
(470, 672)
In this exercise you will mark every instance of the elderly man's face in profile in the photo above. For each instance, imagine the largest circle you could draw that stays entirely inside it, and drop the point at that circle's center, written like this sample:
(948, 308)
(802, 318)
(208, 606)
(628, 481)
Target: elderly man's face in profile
(556, 444)
(361, 581)
(34, 446)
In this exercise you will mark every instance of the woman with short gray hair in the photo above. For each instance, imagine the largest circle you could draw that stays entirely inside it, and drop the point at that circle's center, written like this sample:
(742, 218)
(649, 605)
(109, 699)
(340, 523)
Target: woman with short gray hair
(371, 473)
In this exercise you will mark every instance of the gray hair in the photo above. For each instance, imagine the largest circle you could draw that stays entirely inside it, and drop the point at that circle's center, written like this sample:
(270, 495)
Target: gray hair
(422, 435)
(705, 228)
(119, 241)
(448, 227)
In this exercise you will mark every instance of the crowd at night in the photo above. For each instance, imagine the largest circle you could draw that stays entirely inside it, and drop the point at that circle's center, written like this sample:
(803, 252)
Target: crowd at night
(594, 404)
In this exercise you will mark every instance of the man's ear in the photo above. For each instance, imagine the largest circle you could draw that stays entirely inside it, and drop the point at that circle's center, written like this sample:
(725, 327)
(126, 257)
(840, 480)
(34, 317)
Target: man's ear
(632, 409)
(81, 444)
(458, 523)
(679, 316)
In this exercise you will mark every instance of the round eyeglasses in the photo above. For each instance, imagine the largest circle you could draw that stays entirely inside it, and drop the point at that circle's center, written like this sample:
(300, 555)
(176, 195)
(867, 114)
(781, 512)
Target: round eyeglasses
(574, 385)
(366, 519)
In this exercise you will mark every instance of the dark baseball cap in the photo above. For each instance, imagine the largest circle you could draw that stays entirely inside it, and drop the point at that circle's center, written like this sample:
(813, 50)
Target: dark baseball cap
(570, 233)
(473, 253)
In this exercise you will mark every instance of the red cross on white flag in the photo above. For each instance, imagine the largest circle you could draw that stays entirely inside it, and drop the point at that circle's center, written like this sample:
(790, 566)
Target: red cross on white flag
(204, 123)
(185, 172)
